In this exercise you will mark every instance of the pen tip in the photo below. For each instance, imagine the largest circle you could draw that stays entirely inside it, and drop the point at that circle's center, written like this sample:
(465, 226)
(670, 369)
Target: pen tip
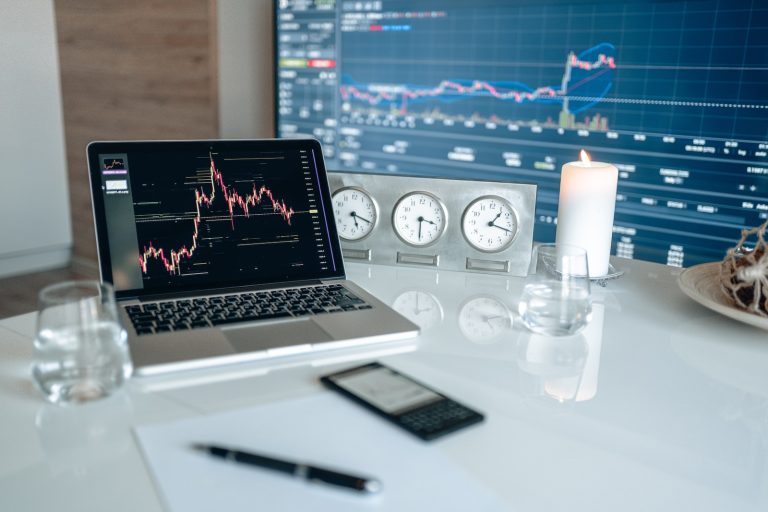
(372, 486)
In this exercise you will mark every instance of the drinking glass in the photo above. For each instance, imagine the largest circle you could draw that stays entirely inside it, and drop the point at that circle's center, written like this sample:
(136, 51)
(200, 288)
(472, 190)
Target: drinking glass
(81, 352)
(556, 299)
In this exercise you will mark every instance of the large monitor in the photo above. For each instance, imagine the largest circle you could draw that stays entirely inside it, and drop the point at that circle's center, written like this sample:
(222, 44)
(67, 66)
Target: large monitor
(674, 93)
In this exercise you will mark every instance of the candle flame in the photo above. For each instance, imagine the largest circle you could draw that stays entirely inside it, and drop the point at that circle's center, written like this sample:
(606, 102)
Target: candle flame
(584, 156)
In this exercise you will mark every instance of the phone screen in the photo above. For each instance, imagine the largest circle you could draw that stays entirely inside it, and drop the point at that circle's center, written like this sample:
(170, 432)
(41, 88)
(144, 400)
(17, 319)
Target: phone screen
(386, 389)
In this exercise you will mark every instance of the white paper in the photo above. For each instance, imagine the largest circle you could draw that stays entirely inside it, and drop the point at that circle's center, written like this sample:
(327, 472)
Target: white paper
(323, 429)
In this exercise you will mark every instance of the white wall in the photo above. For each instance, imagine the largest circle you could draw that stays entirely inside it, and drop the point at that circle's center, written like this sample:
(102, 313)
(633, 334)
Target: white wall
(246, 83)
(35, 229)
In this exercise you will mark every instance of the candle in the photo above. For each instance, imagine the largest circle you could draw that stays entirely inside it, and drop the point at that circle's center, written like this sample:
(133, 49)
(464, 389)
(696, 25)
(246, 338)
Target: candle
(585, 214)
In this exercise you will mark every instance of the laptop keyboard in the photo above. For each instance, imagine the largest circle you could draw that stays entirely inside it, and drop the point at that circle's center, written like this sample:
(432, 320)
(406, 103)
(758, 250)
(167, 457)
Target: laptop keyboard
(178, 315)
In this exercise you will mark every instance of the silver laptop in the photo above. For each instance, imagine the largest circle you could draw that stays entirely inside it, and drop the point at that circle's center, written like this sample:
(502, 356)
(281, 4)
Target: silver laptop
(226, 251)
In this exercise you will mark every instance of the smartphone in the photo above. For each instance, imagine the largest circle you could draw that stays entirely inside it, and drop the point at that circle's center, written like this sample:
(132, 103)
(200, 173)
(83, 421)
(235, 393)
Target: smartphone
(405, 402)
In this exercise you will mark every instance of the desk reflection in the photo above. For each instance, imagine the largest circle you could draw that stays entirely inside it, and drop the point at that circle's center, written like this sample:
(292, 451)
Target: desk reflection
(473, 315)
(79, 438)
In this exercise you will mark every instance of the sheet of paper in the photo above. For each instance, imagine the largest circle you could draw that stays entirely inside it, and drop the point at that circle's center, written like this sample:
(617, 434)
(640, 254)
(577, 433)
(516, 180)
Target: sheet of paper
(323, 429)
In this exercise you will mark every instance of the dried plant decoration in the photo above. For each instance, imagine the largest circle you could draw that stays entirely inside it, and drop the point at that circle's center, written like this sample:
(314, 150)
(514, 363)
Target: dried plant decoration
(744, 272)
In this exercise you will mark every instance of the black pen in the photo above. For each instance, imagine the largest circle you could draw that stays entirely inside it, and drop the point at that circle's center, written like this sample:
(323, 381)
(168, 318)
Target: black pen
(297, 469)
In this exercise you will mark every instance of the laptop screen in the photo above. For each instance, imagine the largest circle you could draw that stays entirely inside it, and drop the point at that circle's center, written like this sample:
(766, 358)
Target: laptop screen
(175, 216)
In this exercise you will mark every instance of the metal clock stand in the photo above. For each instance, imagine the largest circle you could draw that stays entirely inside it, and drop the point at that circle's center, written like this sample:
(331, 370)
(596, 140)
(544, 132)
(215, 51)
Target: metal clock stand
(474, 226)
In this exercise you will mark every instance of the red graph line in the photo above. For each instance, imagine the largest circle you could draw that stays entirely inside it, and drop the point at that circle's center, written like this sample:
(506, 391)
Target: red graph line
(449, 87)
(601, 62)
(113, 164)
(446, 87)
(233, 199)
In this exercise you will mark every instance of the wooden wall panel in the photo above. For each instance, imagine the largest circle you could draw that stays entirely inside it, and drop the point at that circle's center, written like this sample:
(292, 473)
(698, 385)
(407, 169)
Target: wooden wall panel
(143, 69)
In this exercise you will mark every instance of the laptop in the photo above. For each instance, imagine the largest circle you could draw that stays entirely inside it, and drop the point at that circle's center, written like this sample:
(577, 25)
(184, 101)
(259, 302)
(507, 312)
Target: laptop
(226, 251)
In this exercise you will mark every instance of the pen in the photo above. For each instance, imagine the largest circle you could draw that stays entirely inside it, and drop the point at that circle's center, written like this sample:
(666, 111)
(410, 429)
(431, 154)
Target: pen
(299, 470)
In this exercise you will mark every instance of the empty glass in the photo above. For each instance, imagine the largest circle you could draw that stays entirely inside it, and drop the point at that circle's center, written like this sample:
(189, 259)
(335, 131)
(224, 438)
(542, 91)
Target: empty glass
(556, 299)
(81, 351)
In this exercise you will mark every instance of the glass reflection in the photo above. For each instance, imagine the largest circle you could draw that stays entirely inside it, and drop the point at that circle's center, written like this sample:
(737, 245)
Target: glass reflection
(77, 438)
(564, 369)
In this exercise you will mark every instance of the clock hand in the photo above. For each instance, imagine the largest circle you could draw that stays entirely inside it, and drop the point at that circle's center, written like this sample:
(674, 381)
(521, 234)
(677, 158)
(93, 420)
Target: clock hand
(420, 219)
(362, 218)
(487, 319)
(354, 218)
(497, 226)
(492, 222)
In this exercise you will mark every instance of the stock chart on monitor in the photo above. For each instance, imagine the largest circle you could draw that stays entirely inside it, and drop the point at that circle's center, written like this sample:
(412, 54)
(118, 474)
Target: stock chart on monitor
(675, 94)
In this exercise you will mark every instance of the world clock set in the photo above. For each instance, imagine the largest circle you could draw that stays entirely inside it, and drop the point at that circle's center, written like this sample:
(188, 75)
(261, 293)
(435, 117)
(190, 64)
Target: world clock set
(475, 226)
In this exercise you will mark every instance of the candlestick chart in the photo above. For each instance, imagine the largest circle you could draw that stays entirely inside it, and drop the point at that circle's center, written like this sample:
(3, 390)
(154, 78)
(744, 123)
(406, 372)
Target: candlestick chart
(114, 164)
(221, 218)
(587, 77)
(234, 201)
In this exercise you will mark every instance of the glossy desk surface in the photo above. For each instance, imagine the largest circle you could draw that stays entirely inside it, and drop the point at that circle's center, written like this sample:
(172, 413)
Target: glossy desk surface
(660, 404)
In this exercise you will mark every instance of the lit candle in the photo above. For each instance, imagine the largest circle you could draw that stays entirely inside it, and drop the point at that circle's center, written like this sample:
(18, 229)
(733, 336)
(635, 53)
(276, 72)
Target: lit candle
(585, 213)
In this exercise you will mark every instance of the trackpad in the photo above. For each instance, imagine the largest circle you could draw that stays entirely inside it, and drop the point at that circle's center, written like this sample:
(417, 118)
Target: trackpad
(280, 334)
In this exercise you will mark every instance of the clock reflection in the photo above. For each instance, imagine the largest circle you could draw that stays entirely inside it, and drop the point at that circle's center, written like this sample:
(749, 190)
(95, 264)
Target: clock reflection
(420, 307)
(482, 319)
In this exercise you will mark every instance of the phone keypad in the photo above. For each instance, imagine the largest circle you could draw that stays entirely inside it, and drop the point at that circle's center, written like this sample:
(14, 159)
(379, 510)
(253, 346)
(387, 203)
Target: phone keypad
(433, 419)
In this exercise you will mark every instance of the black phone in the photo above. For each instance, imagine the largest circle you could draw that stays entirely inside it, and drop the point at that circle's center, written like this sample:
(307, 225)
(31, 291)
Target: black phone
(407, 403)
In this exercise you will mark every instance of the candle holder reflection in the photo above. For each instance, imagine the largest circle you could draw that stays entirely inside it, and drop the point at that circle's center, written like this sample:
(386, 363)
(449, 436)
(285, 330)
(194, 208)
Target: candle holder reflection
(563, 369)
(554, 365)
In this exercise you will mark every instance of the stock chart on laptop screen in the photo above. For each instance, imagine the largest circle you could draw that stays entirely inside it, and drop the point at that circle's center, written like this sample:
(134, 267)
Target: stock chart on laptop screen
(673, 93)
(181, 215)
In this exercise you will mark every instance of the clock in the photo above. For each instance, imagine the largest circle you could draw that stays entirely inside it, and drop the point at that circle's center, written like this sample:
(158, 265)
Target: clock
(355, 212)
(446, 224)
(419, 307)
(419, 219)
(483, 318)
(489, 224)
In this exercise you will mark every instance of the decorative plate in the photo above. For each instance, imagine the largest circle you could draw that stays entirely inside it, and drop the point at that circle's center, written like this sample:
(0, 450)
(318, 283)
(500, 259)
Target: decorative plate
(702, 284)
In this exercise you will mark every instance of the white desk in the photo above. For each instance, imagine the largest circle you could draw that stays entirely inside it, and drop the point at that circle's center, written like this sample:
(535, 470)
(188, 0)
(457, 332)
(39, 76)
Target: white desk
(659, 405)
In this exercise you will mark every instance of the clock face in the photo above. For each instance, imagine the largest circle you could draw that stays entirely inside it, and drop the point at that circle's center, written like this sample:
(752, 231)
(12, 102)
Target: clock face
(489, 224)
(419, 307)
(355, 213)
(483, 318)
(419, 219)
